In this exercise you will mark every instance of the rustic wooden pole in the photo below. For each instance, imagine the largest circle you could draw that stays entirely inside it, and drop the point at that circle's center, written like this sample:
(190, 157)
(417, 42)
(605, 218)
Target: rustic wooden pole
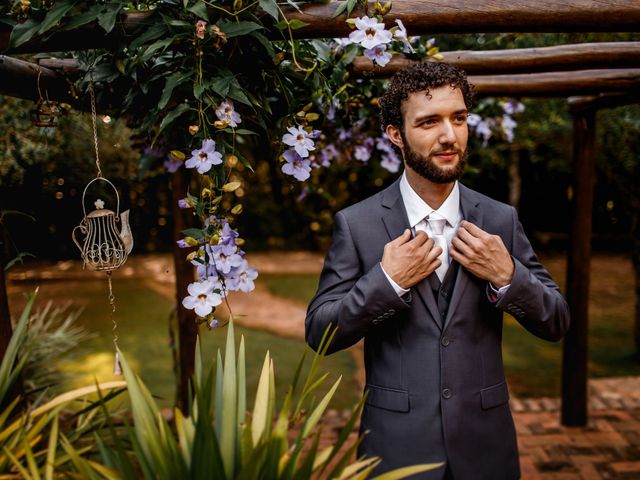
(187, 326)
(32, 81)
(575, 357)
(582, 56)
(420, 17)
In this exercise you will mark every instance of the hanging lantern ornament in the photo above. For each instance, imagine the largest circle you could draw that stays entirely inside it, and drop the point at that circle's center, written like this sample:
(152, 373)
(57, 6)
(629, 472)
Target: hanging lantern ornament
(46, 112)
(105, 247)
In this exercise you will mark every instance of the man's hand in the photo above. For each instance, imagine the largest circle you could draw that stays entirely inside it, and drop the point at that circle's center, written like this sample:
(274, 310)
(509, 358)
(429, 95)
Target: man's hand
(482, 254)
(409, 260)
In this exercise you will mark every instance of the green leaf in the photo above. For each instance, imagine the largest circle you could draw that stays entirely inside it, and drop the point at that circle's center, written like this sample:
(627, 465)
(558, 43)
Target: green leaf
(295, 24)
(238, 94)
(194, 233)
(154, 47)
(18, 258)
(235, 29)
(109, 15)
(261, 403)
(82, 19)
(59, 10)
(23, 32)
(228, 430)
(270, 7)
(314, 418)
(340, 10)
(172, 82)
(155, 31)
(171, 116)
(199, 9)
(264, 41)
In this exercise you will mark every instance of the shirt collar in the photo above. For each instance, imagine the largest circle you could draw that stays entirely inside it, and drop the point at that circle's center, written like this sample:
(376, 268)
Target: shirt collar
(417, 209)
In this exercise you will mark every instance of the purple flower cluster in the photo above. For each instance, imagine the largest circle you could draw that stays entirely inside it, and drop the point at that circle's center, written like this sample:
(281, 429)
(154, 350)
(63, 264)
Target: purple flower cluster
(296, 159)
(390, 160)
(221, 269)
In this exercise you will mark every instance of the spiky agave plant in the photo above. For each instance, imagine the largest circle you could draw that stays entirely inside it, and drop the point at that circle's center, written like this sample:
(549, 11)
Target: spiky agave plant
(220, 439)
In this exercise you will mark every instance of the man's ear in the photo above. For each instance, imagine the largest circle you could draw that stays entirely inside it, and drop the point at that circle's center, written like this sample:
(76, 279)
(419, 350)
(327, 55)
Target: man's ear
(395, 136)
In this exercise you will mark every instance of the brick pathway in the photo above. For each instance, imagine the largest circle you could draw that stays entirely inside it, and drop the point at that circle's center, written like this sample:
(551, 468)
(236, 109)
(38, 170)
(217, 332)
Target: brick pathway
(607, 448)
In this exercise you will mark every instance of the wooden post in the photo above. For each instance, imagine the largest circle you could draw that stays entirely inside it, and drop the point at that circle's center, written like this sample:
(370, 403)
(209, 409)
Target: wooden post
(574, 359)
(187, 326)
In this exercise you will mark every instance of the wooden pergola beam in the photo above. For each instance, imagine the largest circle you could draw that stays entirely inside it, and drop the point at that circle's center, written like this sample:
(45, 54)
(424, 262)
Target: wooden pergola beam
(582, 56)
(419, 17)
(31, 81)
(557, 84)
(20, 79)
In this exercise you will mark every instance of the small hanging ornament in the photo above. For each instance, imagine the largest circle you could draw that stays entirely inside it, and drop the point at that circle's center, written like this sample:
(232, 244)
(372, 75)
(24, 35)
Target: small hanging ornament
(105, 247)
(46, 112)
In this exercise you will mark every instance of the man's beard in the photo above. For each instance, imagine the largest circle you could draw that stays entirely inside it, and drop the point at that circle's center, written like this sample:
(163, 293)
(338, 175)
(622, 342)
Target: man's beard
(426, 167)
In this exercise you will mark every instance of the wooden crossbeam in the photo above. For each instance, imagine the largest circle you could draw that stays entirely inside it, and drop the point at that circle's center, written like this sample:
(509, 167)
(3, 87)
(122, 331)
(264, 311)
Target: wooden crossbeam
(31, 81)
(558, 84)
(580, 56)
(419, 16)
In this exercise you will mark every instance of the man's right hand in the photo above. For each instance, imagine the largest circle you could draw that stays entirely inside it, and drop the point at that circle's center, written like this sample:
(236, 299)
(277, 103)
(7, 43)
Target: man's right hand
(409, 260)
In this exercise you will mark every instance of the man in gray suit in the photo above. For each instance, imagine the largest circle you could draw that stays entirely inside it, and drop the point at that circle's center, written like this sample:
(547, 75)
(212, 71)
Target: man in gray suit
(423, 271)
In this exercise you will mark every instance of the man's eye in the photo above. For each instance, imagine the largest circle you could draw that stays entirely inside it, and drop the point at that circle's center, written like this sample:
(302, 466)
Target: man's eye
(461, 118)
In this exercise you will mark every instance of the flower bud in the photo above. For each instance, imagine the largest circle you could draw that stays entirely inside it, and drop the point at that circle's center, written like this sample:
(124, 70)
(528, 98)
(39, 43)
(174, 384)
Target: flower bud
(193, 129)
(232, 160)
(221, 124)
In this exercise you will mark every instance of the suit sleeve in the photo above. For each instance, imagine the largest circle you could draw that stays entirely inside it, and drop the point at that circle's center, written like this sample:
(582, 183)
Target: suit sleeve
(533, 298)
(348, 297)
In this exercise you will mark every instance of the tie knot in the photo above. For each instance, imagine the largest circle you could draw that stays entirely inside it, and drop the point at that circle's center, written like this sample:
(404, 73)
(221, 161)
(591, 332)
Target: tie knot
(436, 224)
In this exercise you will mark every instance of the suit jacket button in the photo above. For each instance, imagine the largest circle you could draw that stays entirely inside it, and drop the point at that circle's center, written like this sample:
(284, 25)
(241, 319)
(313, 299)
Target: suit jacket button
(446, 393)
(391, 311)
(445, 342)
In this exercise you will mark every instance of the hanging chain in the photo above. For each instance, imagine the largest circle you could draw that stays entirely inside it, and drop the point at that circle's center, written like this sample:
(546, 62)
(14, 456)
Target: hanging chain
(117, 370)
(95, 124)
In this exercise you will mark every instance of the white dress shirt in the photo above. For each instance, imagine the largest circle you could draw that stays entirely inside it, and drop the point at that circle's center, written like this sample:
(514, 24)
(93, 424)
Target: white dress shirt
(417, 210)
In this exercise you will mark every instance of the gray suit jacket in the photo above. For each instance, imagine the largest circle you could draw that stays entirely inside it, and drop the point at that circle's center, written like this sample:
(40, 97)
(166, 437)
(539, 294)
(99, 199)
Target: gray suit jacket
(436, 386)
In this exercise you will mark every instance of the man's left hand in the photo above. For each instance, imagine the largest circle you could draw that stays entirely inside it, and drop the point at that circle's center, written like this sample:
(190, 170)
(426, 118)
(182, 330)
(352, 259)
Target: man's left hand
(482, 254)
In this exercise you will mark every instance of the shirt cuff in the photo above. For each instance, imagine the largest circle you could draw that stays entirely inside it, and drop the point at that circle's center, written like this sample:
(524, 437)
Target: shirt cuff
(494, 293)
(398, 289)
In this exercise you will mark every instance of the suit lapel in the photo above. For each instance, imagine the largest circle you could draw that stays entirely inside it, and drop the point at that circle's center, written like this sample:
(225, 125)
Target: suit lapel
(395, 221)
(469, 203)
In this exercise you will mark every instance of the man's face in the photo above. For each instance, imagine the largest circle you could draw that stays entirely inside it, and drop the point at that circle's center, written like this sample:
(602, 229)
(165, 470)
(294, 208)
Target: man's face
(434, 140)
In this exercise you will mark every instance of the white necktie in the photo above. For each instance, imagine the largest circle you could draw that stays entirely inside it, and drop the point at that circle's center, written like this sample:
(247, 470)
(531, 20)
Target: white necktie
(437, 225)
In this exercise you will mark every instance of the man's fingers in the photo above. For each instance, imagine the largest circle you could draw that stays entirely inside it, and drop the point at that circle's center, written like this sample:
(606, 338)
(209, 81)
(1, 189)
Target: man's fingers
(472, 229)
(403, 238)
(420, 238)
(460, 247)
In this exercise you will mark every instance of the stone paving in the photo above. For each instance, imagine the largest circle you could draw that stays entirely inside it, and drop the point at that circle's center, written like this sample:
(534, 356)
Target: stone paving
(607, 448)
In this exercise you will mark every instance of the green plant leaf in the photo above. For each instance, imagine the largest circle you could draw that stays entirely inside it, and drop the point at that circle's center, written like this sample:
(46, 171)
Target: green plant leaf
(235, 29)
(83, 18)
(314, 418)
(59, 10)
(229, 419)
(260, 417)
(23, 32)
(408, 471)
(242, 385)
(109, 15)
(199, 9)
(271, 7)
(153, 32)
(172, 82)
(170, 117)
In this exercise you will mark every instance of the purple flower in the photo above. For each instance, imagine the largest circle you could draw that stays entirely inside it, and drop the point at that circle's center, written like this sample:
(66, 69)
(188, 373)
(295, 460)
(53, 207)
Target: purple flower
(369, 32)
(202, 298)
(328, 153)
(512, 106)
(172, 164)
(300, 140)
(182, 203)
(431, 42)
(228, 235)
(378, 54)
(362, 153)
(213, 323)
(384, 144)
(205, 157)
(154, 151)
(224, 258)
(243, 278)
(226, 113)
(295, 165)
(401, 34)
(390, 162)
(182, 243)
(508, 125)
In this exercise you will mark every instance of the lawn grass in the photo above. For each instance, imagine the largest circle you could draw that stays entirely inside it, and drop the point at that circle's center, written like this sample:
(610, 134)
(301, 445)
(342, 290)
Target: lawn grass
(143, 332)
(533, 366)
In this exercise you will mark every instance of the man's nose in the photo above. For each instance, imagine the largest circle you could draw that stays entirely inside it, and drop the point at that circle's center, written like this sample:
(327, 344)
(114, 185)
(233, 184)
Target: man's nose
(447, 134)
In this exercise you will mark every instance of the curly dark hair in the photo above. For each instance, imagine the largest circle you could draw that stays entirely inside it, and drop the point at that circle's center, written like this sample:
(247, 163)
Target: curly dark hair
(417, 78)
